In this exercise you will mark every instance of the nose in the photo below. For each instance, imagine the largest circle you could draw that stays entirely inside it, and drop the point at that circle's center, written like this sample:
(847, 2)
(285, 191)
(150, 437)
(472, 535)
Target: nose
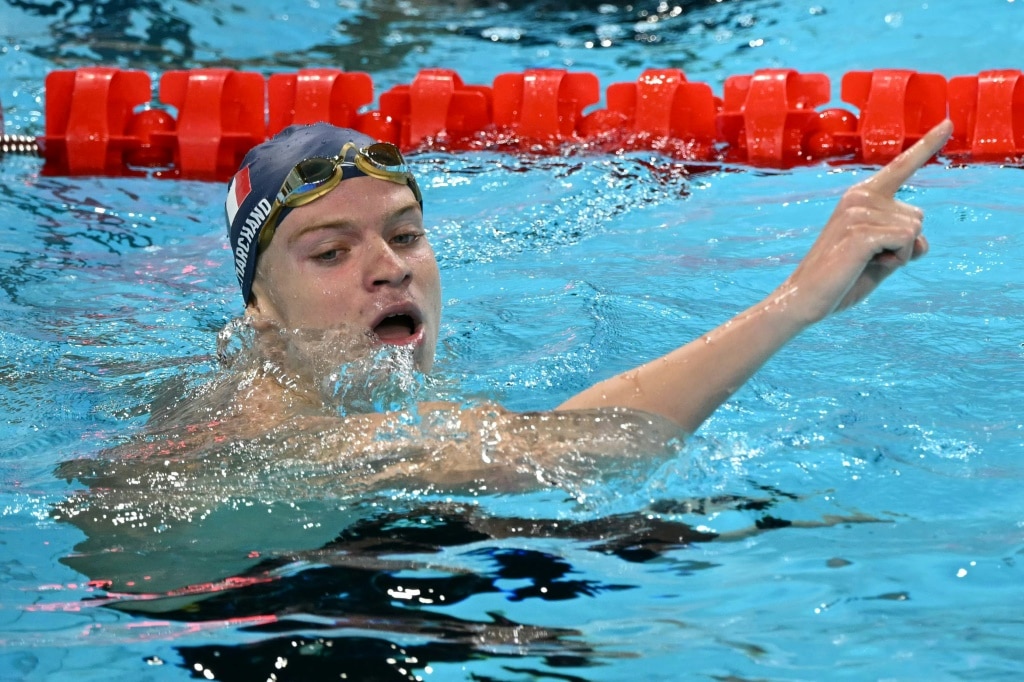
(385, 267)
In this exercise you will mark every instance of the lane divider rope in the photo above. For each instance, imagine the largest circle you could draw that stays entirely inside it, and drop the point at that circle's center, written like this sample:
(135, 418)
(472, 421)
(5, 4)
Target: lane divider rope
(106, 121)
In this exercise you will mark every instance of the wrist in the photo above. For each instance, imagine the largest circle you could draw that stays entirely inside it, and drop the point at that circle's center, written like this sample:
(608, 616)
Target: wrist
(791, 307)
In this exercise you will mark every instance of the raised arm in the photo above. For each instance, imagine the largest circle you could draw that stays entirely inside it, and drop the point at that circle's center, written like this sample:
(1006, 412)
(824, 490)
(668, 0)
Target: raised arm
(869, 235)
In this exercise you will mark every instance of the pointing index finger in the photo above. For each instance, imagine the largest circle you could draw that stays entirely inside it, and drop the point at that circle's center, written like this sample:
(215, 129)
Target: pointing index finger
(900, 169)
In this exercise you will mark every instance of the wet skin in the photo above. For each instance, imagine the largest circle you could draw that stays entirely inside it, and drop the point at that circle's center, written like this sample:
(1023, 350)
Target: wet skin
(359, 254)
(357, 257)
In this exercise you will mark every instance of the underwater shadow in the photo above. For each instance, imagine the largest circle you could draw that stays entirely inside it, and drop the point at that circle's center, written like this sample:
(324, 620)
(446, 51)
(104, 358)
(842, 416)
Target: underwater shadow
(373, 604)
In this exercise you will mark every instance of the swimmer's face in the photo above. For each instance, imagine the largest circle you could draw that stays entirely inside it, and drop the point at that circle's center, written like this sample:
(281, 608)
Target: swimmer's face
(357, 257)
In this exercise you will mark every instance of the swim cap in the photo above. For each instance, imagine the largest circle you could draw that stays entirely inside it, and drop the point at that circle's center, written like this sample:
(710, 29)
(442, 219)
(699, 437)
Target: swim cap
(264, 169)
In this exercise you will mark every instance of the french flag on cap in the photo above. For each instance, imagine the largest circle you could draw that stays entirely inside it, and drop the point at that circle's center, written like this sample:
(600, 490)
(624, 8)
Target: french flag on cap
(238, 190)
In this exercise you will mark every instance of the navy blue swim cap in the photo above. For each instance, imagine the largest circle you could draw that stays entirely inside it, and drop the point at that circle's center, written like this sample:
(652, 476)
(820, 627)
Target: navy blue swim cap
(264, 169)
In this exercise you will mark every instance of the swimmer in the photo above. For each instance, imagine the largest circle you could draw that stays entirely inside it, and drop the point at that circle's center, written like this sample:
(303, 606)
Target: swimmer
(326, 229)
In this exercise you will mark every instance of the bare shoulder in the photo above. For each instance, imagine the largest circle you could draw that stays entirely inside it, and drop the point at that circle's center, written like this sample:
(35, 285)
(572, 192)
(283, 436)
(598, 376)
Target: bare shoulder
(455, 445)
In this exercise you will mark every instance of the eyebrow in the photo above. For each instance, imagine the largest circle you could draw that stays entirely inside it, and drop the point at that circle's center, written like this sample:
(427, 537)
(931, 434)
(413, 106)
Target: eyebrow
(350, 225)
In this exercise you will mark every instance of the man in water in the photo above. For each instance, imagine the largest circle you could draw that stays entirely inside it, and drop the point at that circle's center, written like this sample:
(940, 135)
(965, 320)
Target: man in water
(326, 229)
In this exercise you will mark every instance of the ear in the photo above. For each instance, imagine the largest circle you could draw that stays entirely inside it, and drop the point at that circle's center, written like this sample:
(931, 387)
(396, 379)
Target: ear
(257, 318)
(258, 314)
(260, 308)
(253, 306)
(256, 294)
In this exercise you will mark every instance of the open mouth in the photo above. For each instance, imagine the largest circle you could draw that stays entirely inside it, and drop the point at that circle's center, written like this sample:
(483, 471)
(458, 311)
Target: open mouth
(398, 329)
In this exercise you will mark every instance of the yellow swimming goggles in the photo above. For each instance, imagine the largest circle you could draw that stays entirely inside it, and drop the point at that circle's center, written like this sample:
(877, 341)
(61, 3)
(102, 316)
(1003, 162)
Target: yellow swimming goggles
(312, 178)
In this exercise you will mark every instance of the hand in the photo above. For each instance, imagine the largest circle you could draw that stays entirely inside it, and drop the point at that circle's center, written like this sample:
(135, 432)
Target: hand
(869, 236)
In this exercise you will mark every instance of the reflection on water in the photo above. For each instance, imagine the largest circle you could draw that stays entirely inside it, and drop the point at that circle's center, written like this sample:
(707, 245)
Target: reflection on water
(380, 601)
(376, 36)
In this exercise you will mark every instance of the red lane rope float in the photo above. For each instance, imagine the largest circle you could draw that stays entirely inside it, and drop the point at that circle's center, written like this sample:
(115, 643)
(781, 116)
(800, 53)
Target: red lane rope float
(102, 120)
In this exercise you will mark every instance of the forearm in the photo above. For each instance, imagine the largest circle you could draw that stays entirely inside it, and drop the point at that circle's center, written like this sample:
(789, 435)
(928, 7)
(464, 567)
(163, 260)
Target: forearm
(868, 236)
(689, 383)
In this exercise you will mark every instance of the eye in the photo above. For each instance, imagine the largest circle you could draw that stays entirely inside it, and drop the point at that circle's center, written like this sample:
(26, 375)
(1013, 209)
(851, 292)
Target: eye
(326, 256)
(406, 238)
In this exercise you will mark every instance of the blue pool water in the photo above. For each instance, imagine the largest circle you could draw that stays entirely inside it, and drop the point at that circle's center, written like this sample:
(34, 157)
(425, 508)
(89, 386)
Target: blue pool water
(855, 512)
